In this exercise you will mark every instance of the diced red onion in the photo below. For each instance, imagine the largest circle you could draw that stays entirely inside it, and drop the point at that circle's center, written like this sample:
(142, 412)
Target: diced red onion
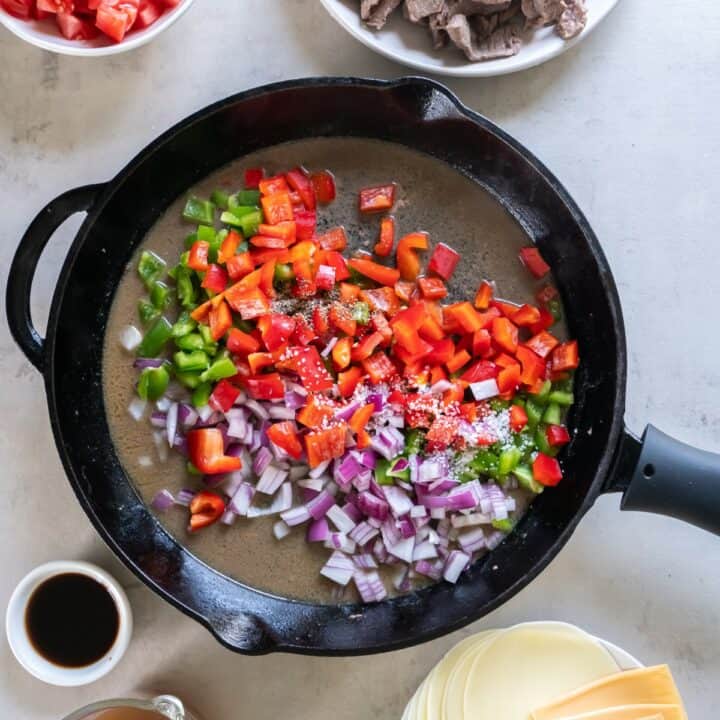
(319, 505)
(163, 403)
(351, 510)
(281, 502)
(339, 541)
(257, 409)
(425, 551)
(331, 344)
(241, 500)
(400, 503)
(396, 421)
(296, 516)
(367, 458)
(346, 470)
(172, 420)
(339, 568)
(406, 527)
(379, 551)
(510, 504)
(280, 530)
(319, 470)
(298, 472)
(438, 513)
(363, 533)
(205, 413)
(187, 416)
(228, 517)
(401, 579)
(363, 480)
(455, 563)
(296, 388)
(271, 479)
(418, 511)
(440, 387)
(364, 561)
(369, 586)
(294, 400)
(130, 338)
(136, 408)
(403, 549)
(494, 539)
(281, 412)
(347, 412)
(144, 363)
(318, 530)
(377, 400)
(184, 497)
(261, 461)
(163, 501)
(430, 470)
(237, 424)
(485, 389)
(429, 569)
(472, 540)
(372, 506)
(160, 440)
(340, 519)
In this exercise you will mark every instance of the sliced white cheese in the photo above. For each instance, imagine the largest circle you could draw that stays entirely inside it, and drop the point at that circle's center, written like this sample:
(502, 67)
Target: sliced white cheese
(633, 712)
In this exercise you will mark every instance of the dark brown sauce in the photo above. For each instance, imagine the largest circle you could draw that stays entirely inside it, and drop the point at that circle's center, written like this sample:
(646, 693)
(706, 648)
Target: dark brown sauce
(72, 620)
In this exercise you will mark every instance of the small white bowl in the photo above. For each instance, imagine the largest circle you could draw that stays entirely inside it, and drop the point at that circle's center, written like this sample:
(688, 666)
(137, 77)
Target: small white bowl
(35, 663)
(46, 35)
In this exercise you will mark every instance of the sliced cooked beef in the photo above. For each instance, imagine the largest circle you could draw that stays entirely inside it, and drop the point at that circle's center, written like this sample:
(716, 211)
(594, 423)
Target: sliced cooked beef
(485, 25)
(503, 42)
(379, 12)
(572, 20)
(477, 7)
(437, 25)
(367, 7)
(417, 10)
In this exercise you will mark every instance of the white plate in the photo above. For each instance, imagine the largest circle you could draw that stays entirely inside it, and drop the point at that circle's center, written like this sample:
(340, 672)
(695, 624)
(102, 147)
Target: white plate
(46, 35)
(409, 44)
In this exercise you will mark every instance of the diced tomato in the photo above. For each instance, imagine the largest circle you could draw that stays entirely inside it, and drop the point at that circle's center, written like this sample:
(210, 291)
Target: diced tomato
(305, 222)
(322, 445)
(253, 176)
(379, 368)
(316, 412)
(479, 371)
(542, 344)
(220, 320)
(484, 295)
(408, 262)
(379, 273)
(309, 366)
(206, 450)
(215, 279)
(432, 288)
(273, 185)
(238, 266)
(148, 13)
(55, 6)
(22, 9)
(284, 435)
(565, 356)
(116, 20)
(469, 411)
(557, 435)
(518, 418)
(275, 329)
(377, 199)
(385, 242)
(505, 334)
(443, 261)
(75, 28)
(277, 208)
(301, 184)
(324, 185)
(526, 316)
(348, 381)
(546, 470)
(366, 347)
(206, 508)
(241, 343)
(198, 256)
(531, 258)
(265, 387)
(223, 396)
(337, 261)
(334, 239)
(341, 319)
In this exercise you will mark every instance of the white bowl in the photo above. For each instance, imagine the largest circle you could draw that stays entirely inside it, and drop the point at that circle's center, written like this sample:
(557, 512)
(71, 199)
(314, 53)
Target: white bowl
(35, 663)
(46, 35)
(411, 45)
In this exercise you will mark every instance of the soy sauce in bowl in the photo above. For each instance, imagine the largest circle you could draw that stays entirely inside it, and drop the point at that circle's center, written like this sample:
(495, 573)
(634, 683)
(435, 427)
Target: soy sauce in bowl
(72, 620)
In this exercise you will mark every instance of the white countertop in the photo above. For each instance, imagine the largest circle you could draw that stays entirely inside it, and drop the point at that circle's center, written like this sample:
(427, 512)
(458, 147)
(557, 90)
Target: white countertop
(628, 120)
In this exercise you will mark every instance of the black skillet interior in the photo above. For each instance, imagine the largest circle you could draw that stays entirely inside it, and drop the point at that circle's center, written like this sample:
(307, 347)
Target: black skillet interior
(419, 114)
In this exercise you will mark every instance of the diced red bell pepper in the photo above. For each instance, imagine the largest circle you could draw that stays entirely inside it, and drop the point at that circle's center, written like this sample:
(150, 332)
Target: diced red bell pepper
(285, 231)
(469, 411)
(366, 347)
(198, 256)
(505, 334)
(305, 222)
(215, 279)
(542, 344)
(275, 329)
(253, 176)
(546, 293)
(316, 412)
(479, 371)
(404, 290)
(320, 321)
(325, 277)
(408, 262)
(322, 445)
(379, 273)
(249, 303)
(206, 508)
(324, 185)
(349, 293)
(455, 393)
(284, 435)
(381, 325)
(277, 208)
(506, 309)
(304, 279)
(309, 366)
(341, 353)
(432, 288)
(518, 418)
(526, 316)
(465, 315)
(377, 199)
(431, 330)
(437, 373)
(220, 320)
(337, 261)
(508, 378)
(264, 387)
(546, 321)
(442, 432)
(238, 266)
(443, 261)
(385, 242)
(361, 417)
(531, 258)
(348, 381)
(206, 450)
(442, 351)
(481, 344)
(341, 319)
(382, 299)
(229, 247)
(457, 361)
(565, 356)
(379, 368)
(533, 366)
(557, 435)
(304, 250)
(301, 184)
(303, 334)
(484, 295)
(241, 343)
(333, 239)
(273, 185)
(223, 396)
(546, 470)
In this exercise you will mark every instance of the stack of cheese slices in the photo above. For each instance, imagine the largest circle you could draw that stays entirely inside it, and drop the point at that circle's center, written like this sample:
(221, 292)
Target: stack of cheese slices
(541, 671)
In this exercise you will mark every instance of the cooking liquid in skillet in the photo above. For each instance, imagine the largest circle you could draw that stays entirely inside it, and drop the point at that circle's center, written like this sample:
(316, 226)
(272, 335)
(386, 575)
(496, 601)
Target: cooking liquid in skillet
(432, 197)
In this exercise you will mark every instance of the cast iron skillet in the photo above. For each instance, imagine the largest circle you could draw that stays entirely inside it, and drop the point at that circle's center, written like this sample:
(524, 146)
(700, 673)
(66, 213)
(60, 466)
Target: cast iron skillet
(656, 474)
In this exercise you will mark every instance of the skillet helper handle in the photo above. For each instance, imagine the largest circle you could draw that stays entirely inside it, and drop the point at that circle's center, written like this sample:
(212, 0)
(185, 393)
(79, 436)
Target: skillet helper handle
(675, 479)
(24, 264)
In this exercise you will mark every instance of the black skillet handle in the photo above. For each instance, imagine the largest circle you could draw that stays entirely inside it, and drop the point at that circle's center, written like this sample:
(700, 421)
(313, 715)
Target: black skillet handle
(661, 475)
(25, 262)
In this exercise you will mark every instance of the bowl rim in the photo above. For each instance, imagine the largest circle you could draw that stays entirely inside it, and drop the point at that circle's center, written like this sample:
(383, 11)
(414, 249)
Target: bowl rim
(21, 29)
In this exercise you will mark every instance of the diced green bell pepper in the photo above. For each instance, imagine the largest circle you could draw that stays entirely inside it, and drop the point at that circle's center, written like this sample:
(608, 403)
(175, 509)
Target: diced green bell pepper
(183, 325)
(485, 462)
(561, 398)
(509, 460)
(199, 211)
(160, 295)
(186, 290)
(541, 441)
(284, 272)
(189, 380)
(541, 397)
(250, 223)
(190, 342)
(201, 394)
(552, 414)
(361, 313)
(210, 345)
(147, 311)
(398, 474)
(153, 383)
(206, 233)
(194, 361)
(247, 198)
(150, 268)
(223, 367)
(381, 472)
(155, 338)
(505, 525)
(555, 308)
(534, 412)
(525, 477)
(414, 441)
(220, 198)
(497, 405)
(190, 240)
